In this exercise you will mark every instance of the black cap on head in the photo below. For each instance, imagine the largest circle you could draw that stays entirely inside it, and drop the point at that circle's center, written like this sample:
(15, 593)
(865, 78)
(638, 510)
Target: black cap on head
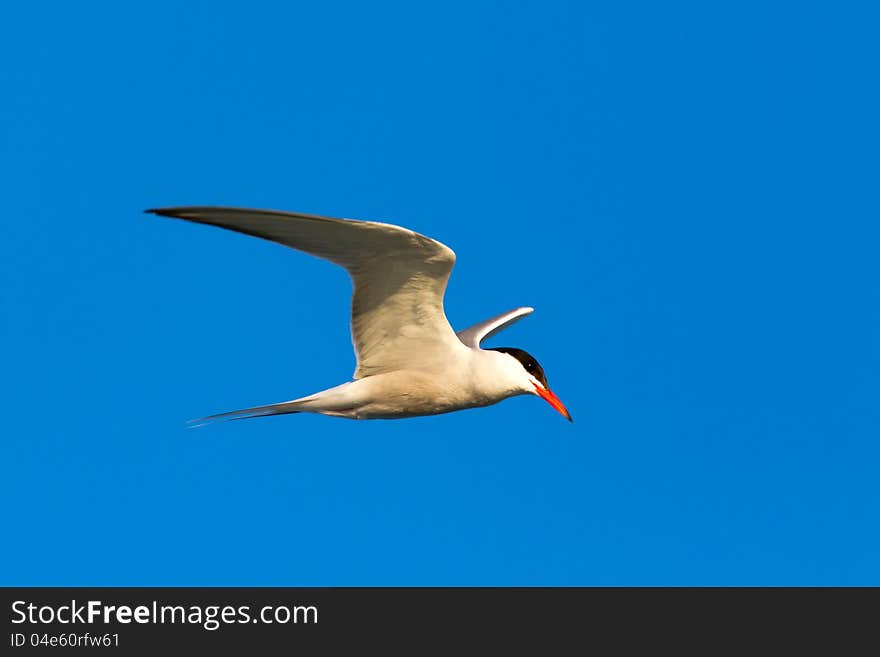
(528, 362)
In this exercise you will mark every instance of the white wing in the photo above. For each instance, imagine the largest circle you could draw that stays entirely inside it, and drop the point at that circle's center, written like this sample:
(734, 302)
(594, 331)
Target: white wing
(399, 278)
(474, 335)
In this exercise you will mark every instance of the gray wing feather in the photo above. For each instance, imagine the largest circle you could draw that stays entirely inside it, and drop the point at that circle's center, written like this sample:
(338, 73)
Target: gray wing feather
(474, 335)
(399, 277)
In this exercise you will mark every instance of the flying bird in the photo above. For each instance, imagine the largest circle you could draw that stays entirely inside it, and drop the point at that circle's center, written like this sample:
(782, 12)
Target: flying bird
(410, 362)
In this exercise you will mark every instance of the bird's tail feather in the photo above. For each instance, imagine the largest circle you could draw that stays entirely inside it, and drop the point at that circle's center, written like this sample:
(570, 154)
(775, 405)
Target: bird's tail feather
(283, 408)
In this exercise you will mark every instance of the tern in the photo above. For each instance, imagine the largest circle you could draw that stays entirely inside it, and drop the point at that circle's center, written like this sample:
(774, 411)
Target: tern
(410, 362)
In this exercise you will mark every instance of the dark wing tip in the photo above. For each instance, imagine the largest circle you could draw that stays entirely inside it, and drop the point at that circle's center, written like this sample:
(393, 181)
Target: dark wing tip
(162, 212)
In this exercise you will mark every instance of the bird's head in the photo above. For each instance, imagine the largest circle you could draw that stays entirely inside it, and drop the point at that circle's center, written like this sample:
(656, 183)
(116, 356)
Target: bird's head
(530, 378)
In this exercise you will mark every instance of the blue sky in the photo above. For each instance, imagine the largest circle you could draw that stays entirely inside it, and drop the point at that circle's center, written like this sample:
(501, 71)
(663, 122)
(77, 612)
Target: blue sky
(687, 194)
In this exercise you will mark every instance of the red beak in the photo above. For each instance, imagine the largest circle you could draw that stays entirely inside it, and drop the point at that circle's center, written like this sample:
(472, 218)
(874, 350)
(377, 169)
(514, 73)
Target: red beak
(553, 400)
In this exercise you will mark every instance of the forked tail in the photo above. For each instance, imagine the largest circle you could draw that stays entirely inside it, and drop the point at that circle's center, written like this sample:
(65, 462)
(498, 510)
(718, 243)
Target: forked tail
(283, 408)
(333, 401)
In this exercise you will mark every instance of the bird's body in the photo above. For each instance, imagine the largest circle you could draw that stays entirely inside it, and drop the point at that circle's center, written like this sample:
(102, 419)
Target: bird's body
(465, 381)
(410, 361)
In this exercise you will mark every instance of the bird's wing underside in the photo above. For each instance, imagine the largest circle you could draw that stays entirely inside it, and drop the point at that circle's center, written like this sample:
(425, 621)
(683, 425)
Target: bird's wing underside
(474, 335)
(399, 278)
